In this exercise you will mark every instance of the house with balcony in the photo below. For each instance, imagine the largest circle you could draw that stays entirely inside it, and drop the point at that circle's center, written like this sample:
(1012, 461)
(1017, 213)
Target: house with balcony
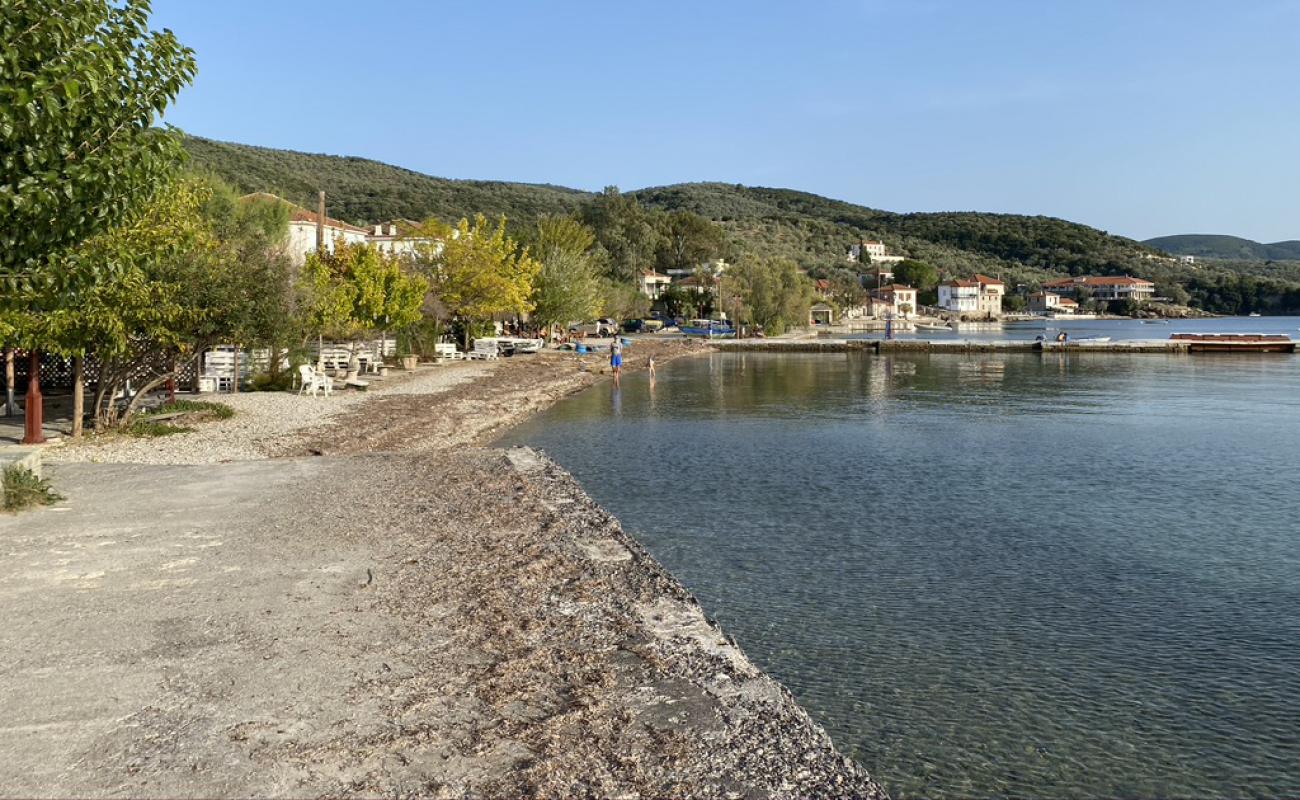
(960, 297)
(1104, 287)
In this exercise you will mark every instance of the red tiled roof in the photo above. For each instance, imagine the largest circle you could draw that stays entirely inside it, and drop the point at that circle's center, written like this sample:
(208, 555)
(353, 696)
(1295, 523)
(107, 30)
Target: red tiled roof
(649, 273)
(984, 279)
(1065, 301)
(962, 284)
(823, 284)
(897, 287)
(1099, 280)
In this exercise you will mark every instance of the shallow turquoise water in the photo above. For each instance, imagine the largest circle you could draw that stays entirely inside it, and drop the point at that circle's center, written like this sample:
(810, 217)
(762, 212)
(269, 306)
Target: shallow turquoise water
(1027, 575)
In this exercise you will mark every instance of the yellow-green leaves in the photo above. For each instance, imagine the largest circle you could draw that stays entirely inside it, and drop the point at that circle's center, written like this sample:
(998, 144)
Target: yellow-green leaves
(479, 272)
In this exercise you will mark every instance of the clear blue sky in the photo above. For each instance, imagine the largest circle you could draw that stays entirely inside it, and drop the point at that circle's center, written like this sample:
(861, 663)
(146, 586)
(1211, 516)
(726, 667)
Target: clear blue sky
(1142, 118)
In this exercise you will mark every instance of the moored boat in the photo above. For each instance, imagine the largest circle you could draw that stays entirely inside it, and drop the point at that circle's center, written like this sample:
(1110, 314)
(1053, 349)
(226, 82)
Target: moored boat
(708, 328)
(1236, 342)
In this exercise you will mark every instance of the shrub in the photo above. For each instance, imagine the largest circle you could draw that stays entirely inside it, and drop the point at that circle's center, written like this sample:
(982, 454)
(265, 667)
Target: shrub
(22, 489)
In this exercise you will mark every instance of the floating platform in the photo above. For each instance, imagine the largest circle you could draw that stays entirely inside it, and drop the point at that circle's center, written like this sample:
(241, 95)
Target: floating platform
(1236, 342)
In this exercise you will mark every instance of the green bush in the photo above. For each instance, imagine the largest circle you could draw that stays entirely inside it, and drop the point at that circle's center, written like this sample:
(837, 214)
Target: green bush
(266, 382)
(22, 489)
(147, 429)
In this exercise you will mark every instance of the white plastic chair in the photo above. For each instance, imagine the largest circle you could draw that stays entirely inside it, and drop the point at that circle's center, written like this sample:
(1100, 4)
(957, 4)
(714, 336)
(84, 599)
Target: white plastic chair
(313, 381)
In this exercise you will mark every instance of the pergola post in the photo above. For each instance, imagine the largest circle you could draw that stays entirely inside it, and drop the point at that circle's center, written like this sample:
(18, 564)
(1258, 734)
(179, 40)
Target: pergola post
(34, 418)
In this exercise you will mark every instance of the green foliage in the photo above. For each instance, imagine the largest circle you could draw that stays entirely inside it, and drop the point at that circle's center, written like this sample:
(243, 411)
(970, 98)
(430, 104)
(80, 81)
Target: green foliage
(687, 240)
(919, 275)
(477, 271)
(774, 295)
(149, 429)
(21, 489)
(357, 289)
(568, 287)
(621, 301)
(626, 232)
(1228, 248)
(80, 87)
(363, 191)
(755, 222)
(271, 382)
(204, 409)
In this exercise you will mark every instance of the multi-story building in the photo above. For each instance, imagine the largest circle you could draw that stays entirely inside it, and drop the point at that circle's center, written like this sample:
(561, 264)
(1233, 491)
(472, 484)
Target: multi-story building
(960, 297)
(893, 300)
(653, 284)
(1107, 287)
(991, 293)
(391, 237)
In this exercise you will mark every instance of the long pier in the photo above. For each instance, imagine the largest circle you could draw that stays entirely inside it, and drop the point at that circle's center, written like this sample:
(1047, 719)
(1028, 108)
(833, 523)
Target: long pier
(943, 346)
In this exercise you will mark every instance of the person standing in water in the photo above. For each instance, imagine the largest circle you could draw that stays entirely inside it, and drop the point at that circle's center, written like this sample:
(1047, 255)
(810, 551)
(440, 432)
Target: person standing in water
(616, 357)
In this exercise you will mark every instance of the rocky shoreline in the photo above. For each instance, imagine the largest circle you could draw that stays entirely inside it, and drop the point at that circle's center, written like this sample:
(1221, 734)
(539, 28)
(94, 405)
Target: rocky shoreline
(386, 608)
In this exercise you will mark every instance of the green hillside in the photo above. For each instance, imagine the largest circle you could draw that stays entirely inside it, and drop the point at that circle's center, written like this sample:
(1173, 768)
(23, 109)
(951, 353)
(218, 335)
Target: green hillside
(1230, 248)
(361, 191)
(814, 231)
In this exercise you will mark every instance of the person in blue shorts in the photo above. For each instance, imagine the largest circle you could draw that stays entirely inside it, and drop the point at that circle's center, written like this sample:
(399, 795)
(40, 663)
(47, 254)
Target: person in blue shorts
(616, 357)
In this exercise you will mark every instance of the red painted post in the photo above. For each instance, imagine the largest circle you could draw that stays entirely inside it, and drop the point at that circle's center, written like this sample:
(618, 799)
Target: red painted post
(34, 418)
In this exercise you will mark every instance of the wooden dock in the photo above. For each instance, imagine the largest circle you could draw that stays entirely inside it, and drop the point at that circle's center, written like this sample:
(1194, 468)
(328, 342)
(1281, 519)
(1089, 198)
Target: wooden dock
(827, 345)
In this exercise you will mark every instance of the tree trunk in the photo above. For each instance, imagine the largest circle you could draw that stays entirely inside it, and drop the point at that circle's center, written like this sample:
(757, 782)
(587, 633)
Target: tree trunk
(140, 395)
(11, 405)
(78, 395)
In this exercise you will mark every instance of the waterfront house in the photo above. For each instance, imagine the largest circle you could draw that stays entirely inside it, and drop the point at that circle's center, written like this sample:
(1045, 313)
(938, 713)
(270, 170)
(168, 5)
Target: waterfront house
(1105, 287)
(893, 300)
(653, 284)
(990, 298)
(960, 297)
(874, 250)
(980, 296)
(1051, 303)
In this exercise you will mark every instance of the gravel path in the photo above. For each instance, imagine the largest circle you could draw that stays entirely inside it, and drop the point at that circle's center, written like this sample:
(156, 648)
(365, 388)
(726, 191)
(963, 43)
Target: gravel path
(263, 421)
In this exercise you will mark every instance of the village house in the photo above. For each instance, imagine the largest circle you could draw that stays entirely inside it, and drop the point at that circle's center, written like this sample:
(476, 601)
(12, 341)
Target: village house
(992, 291)
(876, 251)
(893, 300)
(1050, 303)
(960, 297)
(821, 314)
(390, 237)
(1107, 288)
(653, 284)
(981, 296)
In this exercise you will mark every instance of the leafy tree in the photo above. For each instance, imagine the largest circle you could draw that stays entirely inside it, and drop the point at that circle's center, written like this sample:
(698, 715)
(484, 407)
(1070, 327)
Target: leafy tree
(620, 301)
(774, 295)
(568, 287)
(687, 240)
(918, 274)
(478, 272)
(356, 290)
(624, 230)
(81, 84)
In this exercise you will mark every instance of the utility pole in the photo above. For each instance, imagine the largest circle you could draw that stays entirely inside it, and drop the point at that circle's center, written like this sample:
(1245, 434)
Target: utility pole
(320, 223)
(33, 417)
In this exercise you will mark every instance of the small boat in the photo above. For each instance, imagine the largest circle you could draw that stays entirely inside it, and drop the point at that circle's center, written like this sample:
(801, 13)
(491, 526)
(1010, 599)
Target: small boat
(1090, 340)
(1155, 322)
(708, 328)
(1254, 314)
(1236, 342)
(923, 326)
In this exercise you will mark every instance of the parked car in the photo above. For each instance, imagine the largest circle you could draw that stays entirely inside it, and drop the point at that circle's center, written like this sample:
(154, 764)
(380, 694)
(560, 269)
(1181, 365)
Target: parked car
(643, 325)
(599, 327)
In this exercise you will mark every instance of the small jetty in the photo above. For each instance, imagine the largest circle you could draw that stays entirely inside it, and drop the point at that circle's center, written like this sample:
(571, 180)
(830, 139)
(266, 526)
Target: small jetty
(1236, 342)
(1176, 344)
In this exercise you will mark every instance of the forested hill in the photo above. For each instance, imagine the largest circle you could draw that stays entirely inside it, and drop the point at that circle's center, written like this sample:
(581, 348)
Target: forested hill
(809, 228)
(1232, 248)
(363, 191)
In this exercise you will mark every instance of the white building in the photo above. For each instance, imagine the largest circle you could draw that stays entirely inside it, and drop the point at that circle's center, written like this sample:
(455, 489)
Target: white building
(1106, 287)
(1044, 303)
(980, 296)
(960, 297)
(992, 291)
(893, 300)
(878, 253)
(654, 284)
(391, 237)
(1187, 259)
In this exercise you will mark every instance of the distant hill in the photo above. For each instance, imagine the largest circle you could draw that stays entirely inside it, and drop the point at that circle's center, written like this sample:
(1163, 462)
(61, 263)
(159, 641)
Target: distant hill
(814, 231)
(362, 191)
(807, 227)
(1232, 248)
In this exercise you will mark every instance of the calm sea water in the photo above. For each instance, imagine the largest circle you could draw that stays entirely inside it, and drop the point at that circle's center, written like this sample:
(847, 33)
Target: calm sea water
(1117, 329)
(1029, 575)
